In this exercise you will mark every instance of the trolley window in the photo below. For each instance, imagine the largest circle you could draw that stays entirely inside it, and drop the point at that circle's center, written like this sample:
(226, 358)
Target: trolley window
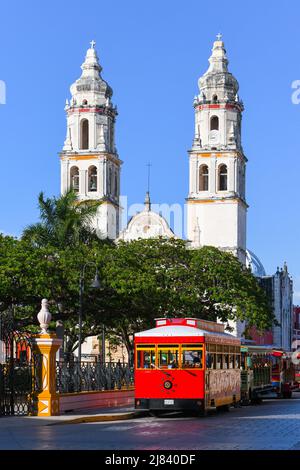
(210, 360)
(218, 361)
(145, 356)
(191, 356)
(168, 356)
(237, 361)
(225, 361)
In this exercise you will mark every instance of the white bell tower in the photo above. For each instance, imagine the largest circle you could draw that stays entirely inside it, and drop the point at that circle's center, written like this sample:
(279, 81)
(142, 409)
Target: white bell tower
(216, 205)
(89, 159)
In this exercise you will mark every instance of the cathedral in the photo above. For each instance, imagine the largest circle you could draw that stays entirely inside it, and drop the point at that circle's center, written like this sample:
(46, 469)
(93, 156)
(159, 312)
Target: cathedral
(216, 201)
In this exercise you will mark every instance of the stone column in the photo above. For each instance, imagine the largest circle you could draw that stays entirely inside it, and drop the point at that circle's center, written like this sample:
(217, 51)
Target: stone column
(47, 345)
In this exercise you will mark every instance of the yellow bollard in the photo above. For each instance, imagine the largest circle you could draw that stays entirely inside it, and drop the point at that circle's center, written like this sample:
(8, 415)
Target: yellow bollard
(47, 346)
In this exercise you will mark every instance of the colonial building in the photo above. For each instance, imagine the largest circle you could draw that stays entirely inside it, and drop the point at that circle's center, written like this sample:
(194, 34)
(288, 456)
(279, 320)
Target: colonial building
(296, 326)
(279, 289)
(216, 203)
(89, 160)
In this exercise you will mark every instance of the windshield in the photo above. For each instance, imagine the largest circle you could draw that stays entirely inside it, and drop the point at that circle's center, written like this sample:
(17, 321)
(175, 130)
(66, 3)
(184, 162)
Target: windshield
(169, 356)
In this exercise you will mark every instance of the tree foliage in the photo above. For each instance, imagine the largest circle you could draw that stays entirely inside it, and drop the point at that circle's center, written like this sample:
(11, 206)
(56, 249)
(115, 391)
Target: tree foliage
(64, 221)
(141, 280)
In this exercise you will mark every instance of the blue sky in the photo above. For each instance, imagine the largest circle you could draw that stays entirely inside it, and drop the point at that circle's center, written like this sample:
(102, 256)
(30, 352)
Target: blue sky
(152, 54)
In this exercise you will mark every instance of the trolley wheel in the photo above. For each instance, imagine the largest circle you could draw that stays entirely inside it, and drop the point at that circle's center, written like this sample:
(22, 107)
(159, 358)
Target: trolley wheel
(246, 401)
(256, 400)
(237, 404)
(223, 408)
(200, 413)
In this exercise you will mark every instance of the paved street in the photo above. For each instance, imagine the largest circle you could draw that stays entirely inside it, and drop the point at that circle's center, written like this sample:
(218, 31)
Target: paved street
(275, 424)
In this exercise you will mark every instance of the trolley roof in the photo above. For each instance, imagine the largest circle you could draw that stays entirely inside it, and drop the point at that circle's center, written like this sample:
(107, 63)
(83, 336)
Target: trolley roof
(179, 330)
(187, 327)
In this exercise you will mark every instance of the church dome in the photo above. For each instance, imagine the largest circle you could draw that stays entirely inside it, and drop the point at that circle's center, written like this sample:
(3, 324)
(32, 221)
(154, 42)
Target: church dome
(146, 224)
(254, 263)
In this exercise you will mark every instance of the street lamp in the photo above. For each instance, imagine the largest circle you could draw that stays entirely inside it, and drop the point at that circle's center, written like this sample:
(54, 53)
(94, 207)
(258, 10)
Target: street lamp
(95, 285)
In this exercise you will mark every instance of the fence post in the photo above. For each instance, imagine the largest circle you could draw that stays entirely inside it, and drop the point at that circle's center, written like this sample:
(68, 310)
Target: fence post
(47, 345)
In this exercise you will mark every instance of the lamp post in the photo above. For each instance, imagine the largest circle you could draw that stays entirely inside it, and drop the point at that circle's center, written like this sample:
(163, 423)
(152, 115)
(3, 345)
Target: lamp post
(103, 346)
(95, 285)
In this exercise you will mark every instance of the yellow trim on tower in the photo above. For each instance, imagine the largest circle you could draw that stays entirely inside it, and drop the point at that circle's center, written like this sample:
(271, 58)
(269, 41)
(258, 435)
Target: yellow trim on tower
(91, 157)
(226, 154)
(207, 201)
(80, 157)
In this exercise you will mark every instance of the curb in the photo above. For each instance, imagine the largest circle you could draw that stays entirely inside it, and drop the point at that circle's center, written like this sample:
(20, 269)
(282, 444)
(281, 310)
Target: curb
(100, 418)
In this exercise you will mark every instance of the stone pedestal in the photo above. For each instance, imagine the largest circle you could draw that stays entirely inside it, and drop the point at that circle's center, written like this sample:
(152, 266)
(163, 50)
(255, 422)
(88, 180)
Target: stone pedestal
(48, 401)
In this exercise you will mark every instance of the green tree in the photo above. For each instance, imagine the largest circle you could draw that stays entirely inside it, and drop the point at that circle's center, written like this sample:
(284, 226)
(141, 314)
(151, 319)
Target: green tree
(158, 278)
(63, 221)
(141, 280)
(227, 290)
(29, 273)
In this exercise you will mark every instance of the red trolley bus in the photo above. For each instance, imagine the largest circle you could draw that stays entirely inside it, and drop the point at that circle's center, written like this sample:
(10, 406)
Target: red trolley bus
(186, 364)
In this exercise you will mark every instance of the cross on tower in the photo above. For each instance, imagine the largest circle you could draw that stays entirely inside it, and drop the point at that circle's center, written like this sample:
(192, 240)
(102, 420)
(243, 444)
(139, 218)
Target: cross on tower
(219, 36)
(149, 165)
(93, 44)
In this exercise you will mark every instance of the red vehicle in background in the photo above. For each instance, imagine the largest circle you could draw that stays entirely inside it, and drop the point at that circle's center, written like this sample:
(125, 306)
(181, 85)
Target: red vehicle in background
(186, 364)
(284, 371)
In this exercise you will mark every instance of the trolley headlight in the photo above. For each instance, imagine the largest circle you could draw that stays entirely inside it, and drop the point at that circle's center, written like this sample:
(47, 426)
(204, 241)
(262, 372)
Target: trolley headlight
(168, 384)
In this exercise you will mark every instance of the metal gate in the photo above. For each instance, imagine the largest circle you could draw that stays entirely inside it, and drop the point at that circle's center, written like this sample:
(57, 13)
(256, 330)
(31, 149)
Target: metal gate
(18, 370)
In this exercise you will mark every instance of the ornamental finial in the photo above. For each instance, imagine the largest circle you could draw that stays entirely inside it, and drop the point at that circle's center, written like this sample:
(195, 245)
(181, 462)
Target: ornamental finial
(93, 44)
(219, 36)
(44, 317)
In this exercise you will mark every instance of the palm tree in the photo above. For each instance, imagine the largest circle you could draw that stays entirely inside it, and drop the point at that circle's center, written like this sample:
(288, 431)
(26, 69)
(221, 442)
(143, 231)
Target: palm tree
(63, 221)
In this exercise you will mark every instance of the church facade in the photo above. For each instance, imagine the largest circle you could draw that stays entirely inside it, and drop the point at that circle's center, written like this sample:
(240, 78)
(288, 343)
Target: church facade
(216, 206)
(216, 202)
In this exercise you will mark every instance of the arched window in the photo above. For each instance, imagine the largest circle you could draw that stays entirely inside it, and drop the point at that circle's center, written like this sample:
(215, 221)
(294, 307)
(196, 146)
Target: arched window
(203, 178)
(214, 123)
(84, 102)
(84, 134)
(222, 178)
(92, 175)
(74, 178)
(215, 99)
(110, 181)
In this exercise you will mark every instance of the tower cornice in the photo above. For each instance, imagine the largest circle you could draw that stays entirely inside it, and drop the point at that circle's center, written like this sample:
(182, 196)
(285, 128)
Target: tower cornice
(239, 106)
(112, 112)
(206, 153)
(217, 199)
(90, 156)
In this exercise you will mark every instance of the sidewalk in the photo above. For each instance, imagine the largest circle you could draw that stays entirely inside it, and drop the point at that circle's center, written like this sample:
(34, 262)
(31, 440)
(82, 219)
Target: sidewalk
(83, 416)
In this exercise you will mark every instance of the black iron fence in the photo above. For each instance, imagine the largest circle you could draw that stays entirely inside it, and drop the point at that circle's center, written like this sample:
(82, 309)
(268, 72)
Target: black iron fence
(92, 376)
(19, 386)
(20, 370)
